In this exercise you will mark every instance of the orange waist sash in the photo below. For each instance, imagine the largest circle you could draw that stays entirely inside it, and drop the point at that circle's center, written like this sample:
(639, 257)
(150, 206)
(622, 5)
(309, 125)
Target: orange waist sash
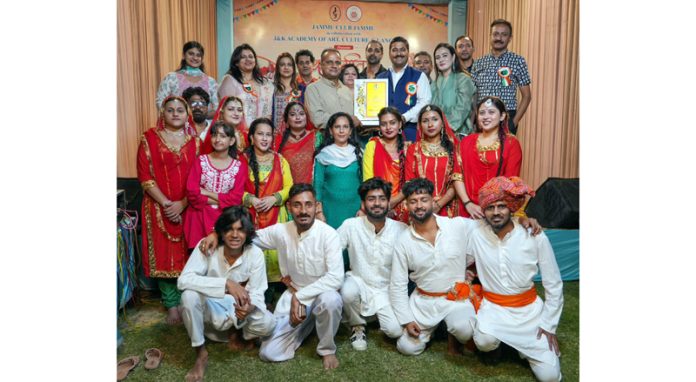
(460, 291)
(512, 301)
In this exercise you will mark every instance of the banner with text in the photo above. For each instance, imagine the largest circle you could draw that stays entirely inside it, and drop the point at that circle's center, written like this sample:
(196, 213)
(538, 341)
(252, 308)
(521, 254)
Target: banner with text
(272, 27)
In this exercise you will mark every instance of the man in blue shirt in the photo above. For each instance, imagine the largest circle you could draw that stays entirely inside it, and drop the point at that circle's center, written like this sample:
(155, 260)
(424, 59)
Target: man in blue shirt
(501, 72)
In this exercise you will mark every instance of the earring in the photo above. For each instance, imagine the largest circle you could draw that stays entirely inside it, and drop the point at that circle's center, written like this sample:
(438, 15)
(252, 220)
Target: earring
(379, 133)
(401, 131)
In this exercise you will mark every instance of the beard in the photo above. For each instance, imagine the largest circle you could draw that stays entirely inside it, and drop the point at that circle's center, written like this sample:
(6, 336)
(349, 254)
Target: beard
(498, 226)
(372, 60)
(380, 216)
(198, 117)
(425, 217)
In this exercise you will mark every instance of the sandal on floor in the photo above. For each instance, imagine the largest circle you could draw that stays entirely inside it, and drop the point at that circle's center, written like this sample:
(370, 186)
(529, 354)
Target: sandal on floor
(153, 358)
(125, 365)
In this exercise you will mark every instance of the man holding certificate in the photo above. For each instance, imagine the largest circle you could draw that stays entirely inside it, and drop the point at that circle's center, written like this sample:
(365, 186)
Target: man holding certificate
(409, 88)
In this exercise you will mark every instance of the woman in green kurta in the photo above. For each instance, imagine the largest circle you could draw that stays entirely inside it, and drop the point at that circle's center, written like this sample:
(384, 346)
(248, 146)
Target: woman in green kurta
(453, 91)
(338, 170)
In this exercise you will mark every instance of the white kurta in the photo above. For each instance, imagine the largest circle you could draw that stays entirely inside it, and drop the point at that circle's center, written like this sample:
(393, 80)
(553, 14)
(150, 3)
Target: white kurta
(435, 268)
(313, 260)
(209, 274)
(507, 267)
(370, 256)
(208, 311)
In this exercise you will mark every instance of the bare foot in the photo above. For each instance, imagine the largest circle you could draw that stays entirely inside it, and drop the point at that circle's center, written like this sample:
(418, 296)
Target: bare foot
(198, 370)
(173, 316)
(237, 342)
(453, 346)
(330, 361)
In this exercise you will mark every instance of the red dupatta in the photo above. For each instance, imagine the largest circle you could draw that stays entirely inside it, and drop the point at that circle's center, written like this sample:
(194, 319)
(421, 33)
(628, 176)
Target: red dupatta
(241, 130)
(452, 208)
(300, 157)
(385, 167)
(272, 184)
(189, 126)
(280, 131)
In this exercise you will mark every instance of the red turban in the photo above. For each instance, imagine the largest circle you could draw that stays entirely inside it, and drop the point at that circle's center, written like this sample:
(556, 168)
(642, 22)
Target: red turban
(511, 190)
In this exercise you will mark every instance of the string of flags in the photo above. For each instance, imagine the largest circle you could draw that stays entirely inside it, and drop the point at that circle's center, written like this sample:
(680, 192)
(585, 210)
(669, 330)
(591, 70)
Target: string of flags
(427, 15)
(256, 11)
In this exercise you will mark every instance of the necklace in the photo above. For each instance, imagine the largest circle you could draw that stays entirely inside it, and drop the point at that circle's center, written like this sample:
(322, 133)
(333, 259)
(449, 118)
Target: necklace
(492, 147)
(298, 137)
(179, 133)
(433, 147)
(265, 159)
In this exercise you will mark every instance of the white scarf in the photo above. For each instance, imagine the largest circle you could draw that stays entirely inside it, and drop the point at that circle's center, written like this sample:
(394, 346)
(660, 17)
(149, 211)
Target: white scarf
(337, 156)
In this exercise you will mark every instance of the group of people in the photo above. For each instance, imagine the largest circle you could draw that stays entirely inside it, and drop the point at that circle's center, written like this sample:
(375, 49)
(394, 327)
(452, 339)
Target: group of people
(235, 174)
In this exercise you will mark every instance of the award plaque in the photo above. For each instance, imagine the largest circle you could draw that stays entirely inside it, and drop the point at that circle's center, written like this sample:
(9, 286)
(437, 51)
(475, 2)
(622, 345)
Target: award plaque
(369, 97)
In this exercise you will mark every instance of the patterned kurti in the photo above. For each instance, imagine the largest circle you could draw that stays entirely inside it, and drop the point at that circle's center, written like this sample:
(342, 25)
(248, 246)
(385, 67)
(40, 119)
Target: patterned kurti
(175, 83)
(228, 183)
(257, 103)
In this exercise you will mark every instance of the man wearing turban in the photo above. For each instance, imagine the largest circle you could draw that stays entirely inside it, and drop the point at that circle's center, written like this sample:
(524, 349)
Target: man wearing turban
(507, 259)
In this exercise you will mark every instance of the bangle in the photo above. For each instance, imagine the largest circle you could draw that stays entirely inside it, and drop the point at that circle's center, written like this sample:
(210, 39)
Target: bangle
(467, 202)
(437, 204)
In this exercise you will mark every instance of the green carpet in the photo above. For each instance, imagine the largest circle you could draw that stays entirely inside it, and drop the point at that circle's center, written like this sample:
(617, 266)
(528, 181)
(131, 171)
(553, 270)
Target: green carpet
(143, 327)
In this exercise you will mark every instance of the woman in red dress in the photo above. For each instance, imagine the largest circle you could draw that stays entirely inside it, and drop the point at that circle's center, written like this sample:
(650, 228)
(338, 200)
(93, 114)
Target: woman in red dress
(165, 156)
(433, 156)
(231, 111)
(216, 181)
(385, 157)
(298, 142)
(489, 152)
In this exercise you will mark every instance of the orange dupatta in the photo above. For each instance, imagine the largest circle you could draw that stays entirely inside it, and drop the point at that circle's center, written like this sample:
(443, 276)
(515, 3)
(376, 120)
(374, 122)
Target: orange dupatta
(272, 184)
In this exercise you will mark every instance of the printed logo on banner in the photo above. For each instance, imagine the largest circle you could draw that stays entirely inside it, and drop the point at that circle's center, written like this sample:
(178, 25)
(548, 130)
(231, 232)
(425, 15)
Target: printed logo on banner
(335, 12)
(354, 13)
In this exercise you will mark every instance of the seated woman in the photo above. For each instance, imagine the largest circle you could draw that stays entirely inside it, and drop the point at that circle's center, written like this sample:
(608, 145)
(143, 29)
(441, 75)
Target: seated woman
(385, 157)
(244, 80)
(191, 73)
(231, 112)
(298, 142)
(269, 181)
(216, 181)
(165, 156)
(432, 156)
(490, 152)
(286, 90)
(453, 91)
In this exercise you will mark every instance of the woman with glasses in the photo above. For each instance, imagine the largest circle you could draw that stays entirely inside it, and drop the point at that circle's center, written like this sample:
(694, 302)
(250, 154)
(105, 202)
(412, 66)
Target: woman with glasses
(191, 73)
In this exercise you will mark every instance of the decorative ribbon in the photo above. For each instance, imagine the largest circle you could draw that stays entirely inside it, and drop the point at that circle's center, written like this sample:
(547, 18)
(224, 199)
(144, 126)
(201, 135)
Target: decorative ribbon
(294, 95)
(249, 89)
(411, 89)
(504, 74)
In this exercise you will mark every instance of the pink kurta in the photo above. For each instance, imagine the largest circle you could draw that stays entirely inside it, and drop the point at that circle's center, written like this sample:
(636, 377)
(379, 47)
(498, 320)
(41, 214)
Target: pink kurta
(228, 183)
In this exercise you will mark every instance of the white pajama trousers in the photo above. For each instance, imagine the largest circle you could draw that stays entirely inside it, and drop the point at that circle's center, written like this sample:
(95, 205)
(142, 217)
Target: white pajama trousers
(324, 313)
(547, 369)
(350, 293)
(212, 318)
(457, 324)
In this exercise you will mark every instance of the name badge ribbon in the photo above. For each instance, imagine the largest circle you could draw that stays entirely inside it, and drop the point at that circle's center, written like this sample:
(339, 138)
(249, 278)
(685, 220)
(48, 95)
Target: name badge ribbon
(249, 89)
(504, 74)
(411, 89)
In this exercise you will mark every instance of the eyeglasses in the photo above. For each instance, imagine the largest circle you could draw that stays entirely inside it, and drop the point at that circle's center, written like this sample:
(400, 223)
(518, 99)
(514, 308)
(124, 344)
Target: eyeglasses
(199, 104)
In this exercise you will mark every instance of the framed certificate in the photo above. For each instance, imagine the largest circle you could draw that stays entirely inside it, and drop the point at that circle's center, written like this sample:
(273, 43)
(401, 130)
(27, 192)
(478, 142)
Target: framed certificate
(369, 97)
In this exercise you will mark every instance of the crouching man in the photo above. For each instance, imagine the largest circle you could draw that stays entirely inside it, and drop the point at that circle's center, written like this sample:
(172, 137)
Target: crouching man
(432, 248)
(225, 290)
(507, 259)
(311, 262)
